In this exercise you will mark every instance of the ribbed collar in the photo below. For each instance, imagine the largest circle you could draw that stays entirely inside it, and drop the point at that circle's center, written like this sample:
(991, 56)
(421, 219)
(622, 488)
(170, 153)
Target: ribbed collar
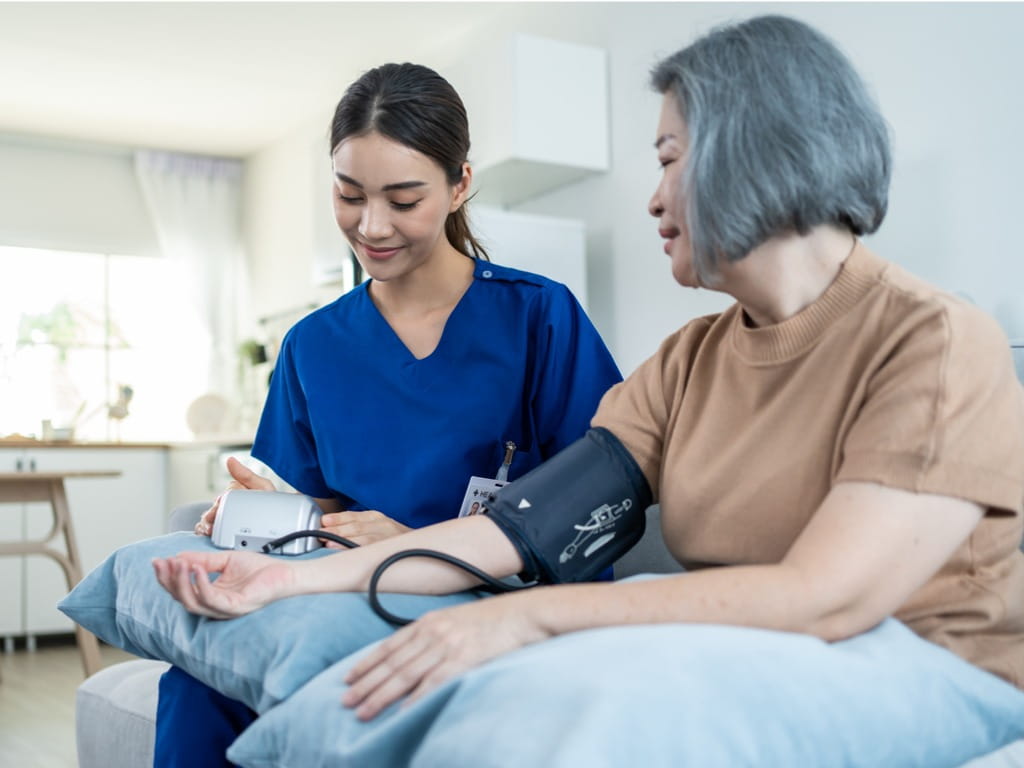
(786, 340)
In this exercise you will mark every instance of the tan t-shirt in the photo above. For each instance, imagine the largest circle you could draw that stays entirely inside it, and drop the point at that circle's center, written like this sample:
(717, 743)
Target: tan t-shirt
(743, 431)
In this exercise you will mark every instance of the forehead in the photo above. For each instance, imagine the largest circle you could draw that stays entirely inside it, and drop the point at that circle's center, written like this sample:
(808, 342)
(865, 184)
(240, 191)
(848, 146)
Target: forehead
(375, 160)
(671, 126)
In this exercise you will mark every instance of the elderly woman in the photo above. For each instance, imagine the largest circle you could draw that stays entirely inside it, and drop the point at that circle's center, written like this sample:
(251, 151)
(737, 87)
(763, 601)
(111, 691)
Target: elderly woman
(839, 460)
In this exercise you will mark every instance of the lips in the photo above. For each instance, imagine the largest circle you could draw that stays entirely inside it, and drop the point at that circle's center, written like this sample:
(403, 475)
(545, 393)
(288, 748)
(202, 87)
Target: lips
(380, 253)
(669, 235)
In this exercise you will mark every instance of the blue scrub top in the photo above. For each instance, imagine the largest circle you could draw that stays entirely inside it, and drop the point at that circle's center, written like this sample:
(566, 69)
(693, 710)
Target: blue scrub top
(351, 414)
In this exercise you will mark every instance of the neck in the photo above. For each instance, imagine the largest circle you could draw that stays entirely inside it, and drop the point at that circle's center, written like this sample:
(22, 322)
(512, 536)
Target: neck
(786, 274)
(437, 284)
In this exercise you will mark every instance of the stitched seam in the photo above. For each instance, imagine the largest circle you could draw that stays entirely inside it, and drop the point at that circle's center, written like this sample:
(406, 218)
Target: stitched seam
(939, 401)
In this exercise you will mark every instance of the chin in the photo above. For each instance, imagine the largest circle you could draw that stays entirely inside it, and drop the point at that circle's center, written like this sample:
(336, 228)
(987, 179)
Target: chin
(685, 276)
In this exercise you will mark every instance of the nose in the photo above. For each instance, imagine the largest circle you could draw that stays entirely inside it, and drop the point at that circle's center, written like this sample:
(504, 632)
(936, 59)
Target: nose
(375, 222)
(654, 205)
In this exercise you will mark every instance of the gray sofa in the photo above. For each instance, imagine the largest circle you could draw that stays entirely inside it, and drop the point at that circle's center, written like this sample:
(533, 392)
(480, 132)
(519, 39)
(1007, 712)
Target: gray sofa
(115, 709)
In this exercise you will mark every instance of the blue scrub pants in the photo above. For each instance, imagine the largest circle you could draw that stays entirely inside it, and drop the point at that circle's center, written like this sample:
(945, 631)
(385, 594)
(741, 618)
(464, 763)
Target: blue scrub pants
(195, 724)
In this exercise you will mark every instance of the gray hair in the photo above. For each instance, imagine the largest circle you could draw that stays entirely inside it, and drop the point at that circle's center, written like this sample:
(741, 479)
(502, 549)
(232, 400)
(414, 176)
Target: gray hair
(783, 136)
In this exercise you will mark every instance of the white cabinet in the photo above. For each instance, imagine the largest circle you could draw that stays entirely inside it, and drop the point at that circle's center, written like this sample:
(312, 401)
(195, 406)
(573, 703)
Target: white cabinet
(553, 247)
(538, 115)
(198, 471)
(107, 513)
(12, 528)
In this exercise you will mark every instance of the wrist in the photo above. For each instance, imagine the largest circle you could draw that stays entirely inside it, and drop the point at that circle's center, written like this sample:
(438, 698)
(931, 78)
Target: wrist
(534, 610)
(321, 574)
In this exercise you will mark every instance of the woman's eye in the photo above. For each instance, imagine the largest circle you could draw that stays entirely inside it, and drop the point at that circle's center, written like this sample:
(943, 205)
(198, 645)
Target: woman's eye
(404, 206)
(349, 200)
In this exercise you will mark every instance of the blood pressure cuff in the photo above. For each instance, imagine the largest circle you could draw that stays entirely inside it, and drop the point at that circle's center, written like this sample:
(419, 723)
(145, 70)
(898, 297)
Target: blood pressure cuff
(577, 513)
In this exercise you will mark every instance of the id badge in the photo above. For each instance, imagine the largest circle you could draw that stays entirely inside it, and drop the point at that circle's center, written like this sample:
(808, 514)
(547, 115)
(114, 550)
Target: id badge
(479, 492)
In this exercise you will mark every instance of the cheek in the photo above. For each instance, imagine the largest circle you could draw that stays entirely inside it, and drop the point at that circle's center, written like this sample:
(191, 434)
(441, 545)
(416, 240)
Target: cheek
(424, 223)
(682, 262)
(347, 216)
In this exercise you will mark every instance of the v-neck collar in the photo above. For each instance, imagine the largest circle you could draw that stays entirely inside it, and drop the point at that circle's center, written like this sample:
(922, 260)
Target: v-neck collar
(387, 333)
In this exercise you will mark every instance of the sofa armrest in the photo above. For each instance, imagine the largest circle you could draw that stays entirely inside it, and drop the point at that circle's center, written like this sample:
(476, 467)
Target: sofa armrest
(650, 555)
(185, 517)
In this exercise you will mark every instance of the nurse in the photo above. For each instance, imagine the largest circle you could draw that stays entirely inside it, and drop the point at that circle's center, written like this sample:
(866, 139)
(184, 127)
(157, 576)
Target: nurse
(384, 403)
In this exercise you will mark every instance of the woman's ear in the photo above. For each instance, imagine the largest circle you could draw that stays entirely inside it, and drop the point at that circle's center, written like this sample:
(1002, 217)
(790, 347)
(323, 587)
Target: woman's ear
(460, 192)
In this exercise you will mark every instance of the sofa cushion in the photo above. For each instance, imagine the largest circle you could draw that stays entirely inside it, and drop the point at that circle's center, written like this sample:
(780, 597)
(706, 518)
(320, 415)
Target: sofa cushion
(115, 712)
(258, 659)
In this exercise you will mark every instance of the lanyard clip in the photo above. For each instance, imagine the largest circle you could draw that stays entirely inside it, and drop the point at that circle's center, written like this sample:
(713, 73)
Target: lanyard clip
(502, 476)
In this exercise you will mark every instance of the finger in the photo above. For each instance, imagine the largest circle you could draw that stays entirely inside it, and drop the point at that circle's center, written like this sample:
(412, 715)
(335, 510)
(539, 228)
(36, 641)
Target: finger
(356, 532)
(246, 478)
(205, 524)
(187, 578)
(165, 574)
(238, 471)
(376, 667)
(212, 600)
(182, 585)
(338, 518)
(397, 683)
(162, 574)
(440, 674)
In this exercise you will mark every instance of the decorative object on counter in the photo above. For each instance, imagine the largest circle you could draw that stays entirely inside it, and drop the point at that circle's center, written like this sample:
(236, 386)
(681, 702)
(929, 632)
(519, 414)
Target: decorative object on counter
(117, 411)
(57, 434)
(252, 352)
(207, 415)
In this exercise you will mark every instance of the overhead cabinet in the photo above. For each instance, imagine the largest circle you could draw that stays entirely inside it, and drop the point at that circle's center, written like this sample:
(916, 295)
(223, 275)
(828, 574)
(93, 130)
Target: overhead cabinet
(538, 115)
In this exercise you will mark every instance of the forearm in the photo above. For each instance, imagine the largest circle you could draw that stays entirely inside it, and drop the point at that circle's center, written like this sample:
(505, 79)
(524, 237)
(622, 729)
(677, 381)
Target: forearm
(766, 596)
(475, 539)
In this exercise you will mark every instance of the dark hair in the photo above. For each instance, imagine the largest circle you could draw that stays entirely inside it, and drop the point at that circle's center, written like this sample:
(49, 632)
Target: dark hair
(782, 136)
(416, 107)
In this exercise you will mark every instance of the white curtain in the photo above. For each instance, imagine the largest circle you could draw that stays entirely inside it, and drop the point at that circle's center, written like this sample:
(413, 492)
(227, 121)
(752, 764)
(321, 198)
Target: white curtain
(195, 204)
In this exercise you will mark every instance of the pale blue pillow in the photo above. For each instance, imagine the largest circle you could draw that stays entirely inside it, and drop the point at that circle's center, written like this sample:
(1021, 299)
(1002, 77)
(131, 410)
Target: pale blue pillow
(258, 659)
(666, 695)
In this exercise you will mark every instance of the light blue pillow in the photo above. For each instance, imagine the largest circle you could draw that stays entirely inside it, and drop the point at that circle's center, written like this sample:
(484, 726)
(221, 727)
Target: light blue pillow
(666, 695)
(258, 659)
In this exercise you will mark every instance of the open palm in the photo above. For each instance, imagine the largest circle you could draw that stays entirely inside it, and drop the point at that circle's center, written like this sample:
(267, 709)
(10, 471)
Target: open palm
(246, 581)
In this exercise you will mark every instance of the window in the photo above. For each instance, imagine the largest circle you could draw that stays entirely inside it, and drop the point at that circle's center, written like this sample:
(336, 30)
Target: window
(78, 331)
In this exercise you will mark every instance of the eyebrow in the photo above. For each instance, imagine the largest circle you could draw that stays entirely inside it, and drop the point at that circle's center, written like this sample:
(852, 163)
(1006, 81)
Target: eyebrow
(663, 138)
(386, 187)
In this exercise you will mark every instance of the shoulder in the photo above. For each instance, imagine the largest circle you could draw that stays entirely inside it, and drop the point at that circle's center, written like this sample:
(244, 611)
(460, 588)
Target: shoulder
(338, 314)
(668, 368)
(528, 285)
(682, 345)
(915, 308)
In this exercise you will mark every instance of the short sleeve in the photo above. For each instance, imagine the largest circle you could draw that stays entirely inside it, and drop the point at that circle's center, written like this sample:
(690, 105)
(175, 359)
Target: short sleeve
(943, 414)
(572, 371)
(284, 439)
(637, 410)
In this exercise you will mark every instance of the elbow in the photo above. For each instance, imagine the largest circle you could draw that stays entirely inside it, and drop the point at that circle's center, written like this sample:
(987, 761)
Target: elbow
(843, 623)
(834, 611)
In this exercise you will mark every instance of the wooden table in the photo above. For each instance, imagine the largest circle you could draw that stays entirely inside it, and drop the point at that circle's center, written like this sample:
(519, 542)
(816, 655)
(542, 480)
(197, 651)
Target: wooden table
(23, 487)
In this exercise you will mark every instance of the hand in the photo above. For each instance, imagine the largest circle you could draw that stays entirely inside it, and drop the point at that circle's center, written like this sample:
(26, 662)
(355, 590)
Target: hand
(247, 581)
(438, 646)
(363, 527)
(243, 479)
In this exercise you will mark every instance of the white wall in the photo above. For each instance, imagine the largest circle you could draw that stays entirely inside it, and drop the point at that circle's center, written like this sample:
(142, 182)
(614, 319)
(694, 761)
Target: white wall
(947, 77)
(278, 221)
